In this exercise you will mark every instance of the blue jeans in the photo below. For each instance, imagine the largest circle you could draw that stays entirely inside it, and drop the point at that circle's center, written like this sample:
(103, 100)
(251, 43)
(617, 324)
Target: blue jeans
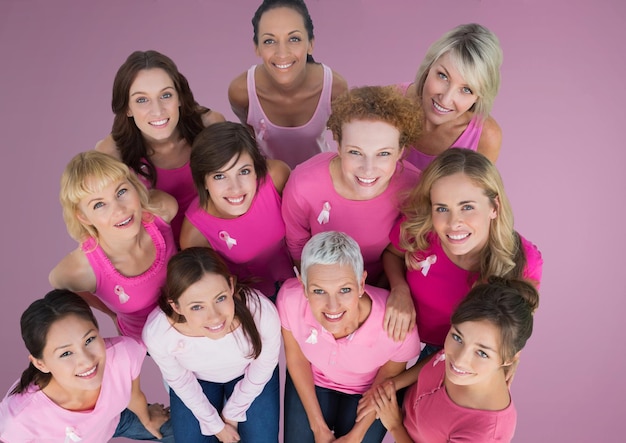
(130, 427)
(338, 409)
(428, 351)
(261, 425)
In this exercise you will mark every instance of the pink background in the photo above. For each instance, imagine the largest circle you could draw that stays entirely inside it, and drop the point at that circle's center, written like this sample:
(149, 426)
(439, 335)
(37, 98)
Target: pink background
(562, 159)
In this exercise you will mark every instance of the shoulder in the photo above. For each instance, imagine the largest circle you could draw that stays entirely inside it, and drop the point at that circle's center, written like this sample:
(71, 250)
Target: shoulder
(209, 117)
(163, 205)
(155, 327)
(73, 272)
(289, 294)
(279, 173)
(340, 85)
(490, 139)
(127, 347)
(534, 260)
(238, 90)
(107, 146)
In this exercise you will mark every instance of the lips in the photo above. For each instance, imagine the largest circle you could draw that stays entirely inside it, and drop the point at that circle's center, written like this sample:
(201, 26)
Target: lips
(88, 374)
(124, 222)
(440, 108)
(458, 237)
(235, 200)
(284, 65)
(334, 317)
(216, 328)
(458, 371)
(159, 122)
(366, 181)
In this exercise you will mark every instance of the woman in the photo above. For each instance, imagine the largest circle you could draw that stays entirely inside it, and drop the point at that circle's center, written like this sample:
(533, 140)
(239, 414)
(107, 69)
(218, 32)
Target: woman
(217, 344)
(457, 230)
(124, 240)
(359, 189)
(286, 99)
(237, 210)
(455, 87)
(78, 385)
(461, 394)
(156, 121)
(335, 344)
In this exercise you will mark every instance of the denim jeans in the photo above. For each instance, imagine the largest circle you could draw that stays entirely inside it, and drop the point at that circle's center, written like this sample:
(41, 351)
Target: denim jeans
(338, 409)
(261, 425)
(130, 427)
(428, 351)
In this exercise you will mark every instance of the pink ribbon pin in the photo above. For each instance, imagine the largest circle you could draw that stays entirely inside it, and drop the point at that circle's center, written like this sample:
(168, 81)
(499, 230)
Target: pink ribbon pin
(261, 134)
(312, 338)
(119, 291)
(425, 264)
(71, 435)
(324, 216)
(230, 242)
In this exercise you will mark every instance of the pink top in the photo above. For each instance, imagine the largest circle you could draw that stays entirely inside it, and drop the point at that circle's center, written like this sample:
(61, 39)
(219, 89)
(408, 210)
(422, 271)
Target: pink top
(430, 416)
(253, 244)
(132, 298)
(311, 205)
(439, 287)
(468, 139)
(348, 364)
(31, 417)
(293, 145)
(183, 360)
(177, 182)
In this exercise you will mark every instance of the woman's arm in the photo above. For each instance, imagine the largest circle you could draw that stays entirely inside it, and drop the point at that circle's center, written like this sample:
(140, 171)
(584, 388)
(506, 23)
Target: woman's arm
(490, 140)
(279, 172)
(191, 236)
(302, 376)
(389, 412)
(163, 204)
(151, 417)
(238, 97)
(400, 310)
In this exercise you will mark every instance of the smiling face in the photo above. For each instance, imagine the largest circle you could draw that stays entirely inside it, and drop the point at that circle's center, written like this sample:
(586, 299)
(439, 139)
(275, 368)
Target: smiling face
(154, 104)
(232, 190)
(208, 306)
(446, 95)
(461, 215)
(334, 293)
(115, 210)
(283, 44)
(368, 154)
(472, 350)
(74, 354)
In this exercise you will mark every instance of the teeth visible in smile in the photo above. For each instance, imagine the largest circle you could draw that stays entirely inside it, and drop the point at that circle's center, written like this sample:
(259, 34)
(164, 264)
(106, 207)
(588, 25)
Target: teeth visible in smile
(215, 328)
(159, 122)
(367, 181)
(236, 200)
(334, 316)
(284, 66)
(440, 108)
(88, 373)
(458, 370)
(457, 237)
(125, 222)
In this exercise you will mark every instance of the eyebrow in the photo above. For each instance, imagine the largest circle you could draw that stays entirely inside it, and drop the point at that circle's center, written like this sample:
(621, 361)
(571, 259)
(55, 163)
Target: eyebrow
(247, 165)
(66, 346)
(116, 189)
(480, 345)
(145, 93)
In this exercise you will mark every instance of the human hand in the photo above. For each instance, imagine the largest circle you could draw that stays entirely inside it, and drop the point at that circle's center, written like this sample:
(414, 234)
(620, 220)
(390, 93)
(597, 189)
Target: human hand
(399, 313)
(387, 408)
(157, 415)
(229, 434)
(323, 435)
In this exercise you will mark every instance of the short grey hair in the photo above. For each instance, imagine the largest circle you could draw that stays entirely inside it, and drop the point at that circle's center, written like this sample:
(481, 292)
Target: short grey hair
(331, 248)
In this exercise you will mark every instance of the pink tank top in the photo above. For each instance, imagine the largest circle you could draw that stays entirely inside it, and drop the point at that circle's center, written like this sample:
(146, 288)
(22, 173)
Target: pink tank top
(253, 244)
(132, 298)
(293, 145)
(468, 139)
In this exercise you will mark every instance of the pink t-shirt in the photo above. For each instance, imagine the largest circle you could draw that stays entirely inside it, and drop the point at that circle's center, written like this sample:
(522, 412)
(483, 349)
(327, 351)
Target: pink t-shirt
(183, 360)
(348, 364)
(132, 298)
(31, 417)
(468, 139)
(311, 205)
(430, 416)
(253, 244)
(438, 288)
(293, 145)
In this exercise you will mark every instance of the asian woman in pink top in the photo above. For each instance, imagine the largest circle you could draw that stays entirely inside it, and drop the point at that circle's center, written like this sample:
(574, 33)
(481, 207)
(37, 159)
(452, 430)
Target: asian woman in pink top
(286, 99)
(78, 385)
(124, 239)
(156, 121)
(457, 230)
(455, 87)
(217, 343)
(237, 210)
(461, 393)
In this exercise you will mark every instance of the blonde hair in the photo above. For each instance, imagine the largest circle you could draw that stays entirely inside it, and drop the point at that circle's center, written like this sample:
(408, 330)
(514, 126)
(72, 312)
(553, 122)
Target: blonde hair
(475, 52)
(503, 256)
(85, 174)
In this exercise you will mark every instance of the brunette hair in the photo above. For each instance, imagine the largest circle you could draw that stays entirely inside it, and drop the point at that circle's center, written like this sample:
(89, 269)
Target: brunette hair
(35, 323)
(214, 149)
(133, 148)
(188, 267)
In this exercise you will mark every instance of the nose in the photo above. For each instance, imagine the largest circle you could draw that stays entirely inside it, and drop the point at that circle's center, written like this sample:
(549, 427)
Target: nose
(281, 49)
(456, 218)
(155, 107)
(368, 165)
(332, 303)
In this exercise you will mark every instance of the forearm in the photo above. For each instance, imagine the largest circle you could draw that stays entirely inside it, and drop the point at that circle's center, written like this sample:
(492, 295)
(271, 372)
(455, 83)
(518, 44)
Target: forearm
(395, 270)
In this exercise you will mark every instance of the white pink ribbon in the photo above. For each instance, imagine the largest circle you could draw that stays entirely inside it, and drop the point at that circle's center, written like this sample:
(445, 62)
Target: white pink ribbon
(425, 264)
(312, 338)
(119, 291)
(71, 435)
(230, 242)
(324, 216)
(261, 134)
(440, 357)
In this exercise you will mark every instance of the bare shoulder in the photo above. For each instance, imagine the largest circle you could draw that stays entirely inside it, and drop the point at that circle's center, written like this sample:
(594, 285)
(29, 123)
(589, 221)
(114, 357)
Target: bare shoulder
(490, 140)
(340, 85)
(190, 236)
(238, 90)
(210, 117)
(73, 272)
(279, 173)
(107, 146)
(163, 204)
